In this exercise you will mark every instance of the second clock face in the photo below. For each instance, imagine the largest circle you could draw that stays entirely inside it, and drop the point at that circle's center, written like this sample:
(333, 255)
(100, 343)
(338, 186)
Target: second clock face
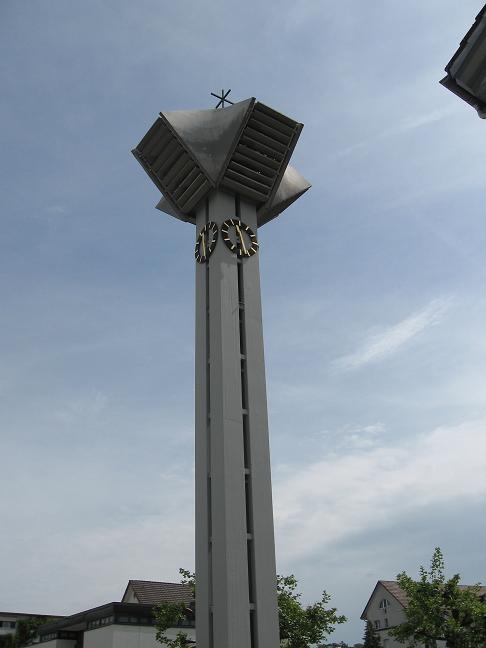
(239, 237)
(206, 241)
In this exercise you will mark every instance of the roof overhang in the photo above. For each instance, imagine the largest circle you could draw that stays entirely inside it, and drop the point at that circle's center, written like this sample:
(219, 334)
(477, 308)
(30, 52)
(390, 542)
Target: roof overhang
(466, 71)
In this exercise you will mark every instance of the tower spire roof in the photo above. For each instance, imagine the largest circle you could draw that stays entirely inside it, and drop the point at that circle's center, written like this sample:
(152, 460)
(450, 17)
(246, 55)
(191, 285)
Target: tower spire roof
(210, 134)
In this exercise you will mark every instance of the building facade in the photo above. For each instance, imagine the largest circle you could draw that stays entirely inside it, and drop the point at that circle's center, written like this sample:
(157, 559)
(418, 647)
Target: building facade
(125, 624)
(114, 625)
(385, 610)
(8, 620)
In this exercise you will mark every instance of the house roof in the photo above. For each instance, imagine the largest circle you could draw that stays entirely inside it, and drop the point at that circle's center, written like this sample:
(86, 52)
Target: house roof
(396, 591)
(155, 592)
(393, 588)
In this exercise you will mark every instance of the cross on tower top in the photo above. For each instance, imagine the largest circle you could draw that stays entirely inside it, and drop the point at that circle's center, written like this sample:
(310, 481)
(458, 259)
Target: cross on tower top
(222, 98)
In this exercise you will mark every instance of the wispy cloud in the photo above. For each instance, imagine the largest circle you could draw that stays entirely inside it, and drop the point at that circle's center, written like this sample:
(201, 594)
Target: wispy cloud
(379, 346)
(340, 495)
(83, 409)
(56, 209)
(417, 121)
(364, 437)
(403, 127)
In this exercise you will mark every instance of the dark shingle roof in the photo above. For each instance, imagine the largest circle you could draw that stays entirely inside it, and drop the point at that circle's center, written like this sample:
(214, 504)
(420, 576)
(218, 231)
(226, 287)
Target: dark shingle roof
(155, 592)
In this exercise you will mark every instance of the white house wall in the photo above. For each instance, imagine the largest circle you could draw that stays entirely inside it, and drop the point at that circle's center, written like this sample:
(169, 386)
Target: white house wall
(130, 596)
(120, 636)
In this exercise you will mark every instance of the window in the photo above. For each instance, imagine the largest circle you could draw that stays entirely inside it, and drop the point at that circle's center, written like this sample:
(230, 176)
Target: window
(384, 604)
(96, 623)
(49, 637)
(386, 622)
(377, 624)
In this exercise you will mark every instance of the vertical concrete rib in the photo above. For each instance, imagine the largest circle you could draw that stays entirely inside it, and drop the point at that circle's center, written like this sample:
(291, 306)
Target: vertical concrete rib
(266, 630)
(202, 476)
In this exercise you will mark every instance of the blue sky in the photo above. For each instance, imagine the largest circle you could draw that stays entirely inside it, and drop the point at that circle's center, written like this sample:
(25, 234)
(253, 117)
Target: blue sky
(373, 294)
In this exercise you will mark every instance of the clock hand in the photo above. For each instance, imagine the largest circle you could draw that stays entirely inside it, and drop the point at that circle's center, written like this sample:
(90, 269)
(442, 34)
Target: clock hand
(203, 245)
(241, 239)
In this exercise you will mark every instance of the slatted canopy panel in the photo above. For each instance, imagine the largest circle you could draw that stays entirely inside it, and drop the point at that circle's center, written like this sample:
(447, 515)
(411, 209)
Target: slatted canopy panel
(262, 153)
(244, 148)
(171, 167)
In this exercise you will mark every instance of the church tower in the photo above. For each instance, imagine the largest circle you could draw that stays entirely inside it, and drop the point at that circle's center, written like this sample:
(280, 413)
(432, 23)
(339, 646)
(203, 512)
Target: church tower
(226, 171)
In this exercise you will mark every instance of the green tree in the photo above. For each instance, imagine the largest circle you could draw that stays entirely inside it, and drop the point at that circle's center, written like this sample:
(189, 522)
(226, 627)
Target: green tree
(441, 610)
(7, 641)
(371, 638)
(299, 626)
(170, 615)
(302, 626)
(25, 632)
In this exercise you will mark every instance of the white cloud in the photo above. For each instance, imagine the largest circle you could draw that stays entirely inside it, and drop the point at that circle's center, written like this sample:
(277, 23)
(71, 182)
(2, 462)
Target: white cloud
(56, 209)
(379, 346)
(341, 495)
(82, 409)
(354, 437)
(363, 437)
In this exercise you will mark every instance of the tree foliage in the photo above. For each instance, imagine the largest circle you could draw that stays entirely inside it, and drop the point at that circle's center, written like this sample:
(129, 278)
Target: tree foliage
(7, 641)
(302, 626)
(299, 626)
(25, 632)
(441, 610)
(170, 615)
(371, 638)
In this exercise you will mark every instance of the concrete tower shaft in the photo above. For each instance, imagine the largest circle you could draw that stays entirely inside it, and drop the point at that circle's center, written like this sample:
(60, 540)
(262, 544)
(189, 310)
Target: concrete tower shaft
(235, 554)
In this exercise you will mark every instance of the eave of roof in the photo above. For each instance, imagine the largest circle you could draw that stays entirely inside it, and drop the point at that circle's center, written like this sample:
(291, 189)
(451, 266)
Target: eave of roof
(94, 613)
(32, 614)
(465, 40)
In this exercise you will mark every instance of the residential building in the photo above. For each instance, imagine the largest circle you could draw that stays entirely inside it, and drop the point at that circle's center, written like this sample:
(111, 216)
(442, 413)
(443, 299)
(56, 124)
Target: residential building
(386, 609)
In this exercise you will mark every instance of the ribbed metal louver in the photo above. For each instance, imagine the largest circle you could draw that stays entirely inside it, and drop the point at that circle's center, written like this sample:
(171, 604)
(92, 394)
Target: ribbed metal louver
(170, 166)
(261, 154)
(244, 149)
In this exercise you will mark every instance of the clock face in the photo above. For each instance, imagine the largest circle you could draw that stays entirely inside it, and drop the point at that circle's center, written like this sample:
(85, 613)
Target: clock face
(239, 237)
(205, 242)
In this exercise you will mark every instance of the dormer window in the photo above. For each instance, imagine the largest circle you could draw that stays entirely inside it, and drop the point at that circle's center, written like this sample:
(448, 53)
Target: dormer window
(384, 604)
